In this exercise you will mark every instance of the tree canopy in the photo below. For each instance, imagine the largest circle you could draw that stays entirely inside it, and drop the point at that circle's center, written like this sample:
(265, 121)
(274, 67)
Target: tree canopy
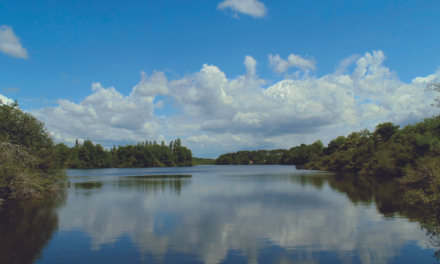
(29, 163)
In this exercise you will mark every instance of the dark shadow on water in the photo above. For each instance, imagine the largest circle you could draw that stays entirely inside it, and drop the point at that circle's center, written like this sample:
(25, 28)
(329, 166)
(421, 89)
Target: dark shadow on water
(384, 193)
(88, 185)
(27, 227)
(155, 183)
(142, 183)
(159, 176)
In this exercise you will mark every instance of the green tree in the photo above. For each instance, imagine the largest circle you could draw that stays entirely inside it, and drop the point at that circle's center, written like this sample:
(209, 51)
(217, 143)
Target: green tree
(335, 145)
(63, 154)
(182, 156)
(385, 131)
(171, 146)
(29, 160)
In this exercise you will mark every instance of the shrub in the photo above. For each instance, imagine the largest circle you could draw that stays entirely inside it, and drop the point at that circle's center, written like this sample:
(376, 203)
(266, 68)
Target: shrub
(29, 162)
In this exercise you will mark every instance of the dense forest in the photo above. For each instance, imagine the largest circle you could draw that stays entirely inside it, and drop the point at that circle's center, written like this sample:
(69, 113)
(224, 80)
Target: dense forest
(143, 155)
(256, 157)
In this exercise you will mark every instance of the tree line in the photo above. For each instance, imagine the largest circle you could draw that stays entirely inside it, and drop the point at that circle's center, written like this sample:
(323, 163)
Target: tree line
(203, 161)
(142, 155)
(256, 157)
(389, 151)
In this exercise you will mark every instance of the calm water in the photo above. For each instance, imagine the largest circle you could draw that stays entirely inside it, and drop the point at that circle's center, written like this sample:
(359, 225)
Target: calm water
(215, 214)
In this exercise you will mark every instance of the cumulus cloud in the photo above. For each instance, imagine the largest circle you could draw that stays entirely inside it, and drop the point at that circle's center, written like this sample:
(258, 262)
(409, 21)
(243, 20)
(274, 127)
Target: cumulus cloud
(10, 43)
(104, 116)
(227, 115)
(279, 65)
(6, 100)
(253, 8)
(155, 85)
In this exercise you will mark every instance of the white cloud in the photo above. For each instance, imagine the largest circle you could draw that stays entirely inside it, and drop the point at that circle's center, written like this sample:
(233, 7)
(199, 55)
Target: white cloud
(104, 116)
(426, 80)
(253, 8)
(156, 84)
(343, 64)
(10, 43)
(236, 114)
(6, 100)
(250, 64)
(279, 65)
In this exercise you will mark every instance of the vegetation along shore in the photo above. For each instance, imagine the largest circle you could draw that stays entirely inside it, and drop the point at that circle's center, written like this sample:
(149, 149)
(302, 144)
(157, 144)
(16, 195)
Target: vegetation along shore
(31, 164)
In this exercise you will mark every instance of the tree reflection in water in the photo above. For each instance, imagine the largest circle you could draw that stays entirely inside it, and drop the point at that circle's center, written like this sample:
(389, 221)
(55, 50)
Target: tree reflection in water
(210, 218)
(27, 227)
(155, 183)
(385, 194)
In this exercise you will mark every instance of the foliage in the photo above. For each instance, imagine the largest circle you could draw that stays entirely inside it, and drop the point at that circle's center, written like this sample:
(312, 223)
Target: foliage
(256, 157)
(203, 161)
(303, 154)
(388, 151)
(143, 155)
(29, 164)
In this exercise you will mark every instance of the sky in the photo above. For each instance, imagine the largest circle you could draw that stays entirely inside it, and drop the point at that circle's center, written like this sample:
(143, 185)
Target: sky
(221, 75)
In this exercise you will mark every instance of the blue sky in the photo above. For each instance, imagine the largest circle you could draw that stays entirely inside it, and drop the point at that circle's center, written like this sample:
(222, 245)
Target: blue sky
(57, 50)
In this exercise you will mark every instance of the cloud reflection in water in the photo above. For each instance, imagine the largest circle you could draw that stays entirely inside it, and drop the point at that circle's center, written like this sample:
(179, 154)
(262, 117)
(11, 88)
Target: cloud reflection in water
(211, 216)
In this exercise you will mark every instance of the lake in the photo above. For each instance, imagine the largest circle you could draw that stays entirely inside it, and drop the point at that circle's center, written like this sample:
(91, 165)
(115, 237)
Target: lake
(215, 214)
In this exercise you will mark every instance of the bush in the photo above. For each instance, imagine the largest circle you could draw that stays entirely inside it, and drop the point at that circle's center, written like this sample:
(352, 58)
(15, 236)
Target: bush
(29, 162)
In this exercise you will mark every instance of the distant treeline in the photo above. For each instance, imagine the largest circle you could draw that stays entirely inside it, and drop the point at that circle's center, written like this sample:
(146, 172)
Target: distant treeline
(144, 154)
(203, 161)
(256, 157)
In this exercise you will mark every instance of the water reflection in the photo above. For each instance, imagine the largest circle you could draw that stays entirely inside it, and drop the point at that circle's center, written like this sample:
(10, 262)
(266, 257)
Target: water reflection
(303, 216)
(383, 193)
(27, 227)
(141, 183)
(88, 185)
(155, 183)
(279, 215)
